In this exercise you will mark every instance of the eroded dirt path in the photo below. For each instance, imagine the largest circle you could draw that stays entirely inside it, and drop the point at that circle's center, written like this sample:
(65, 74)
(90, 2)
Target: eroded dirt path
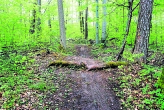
(91, 90)
(81, 89)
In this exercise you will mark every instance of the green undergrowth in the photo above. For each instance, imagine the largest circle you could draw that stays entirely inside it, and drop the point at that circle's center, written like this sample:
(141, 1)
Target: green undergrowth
(138, 88)
(160, 81)
(17, 77)
(105, 54)
(137, 82)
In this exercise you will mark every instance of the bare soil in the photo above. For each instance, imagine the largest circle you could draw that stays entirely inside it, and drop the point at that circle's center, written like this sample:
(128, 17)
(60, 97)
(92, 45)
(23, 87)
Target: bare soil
(90, 89)
(77, 89)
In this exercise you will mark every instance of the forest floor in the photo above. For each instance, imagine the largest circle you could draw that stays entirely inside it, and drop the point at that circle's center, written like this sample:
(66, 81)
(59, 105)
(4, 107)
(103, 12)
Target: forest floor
(82, 85)
(76, 88)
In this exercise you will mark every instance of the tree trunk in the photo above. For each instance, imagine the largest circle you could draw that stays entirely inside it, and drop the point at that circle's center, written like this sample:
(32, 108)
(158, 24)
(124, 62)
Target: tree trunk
(86, 21)
(104, 24)
(97, 24)
(36, 21)
(143, 28)
(82, 23)
(127, 29)
(39, 20)
(61, 23)
(33, 21)
(81, 18)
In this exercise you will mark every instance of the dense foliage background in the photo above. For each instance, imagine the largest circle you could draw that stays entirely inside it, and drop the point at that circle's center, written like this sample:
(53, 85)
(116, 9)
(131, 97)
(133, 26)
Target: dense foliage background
(16, 17)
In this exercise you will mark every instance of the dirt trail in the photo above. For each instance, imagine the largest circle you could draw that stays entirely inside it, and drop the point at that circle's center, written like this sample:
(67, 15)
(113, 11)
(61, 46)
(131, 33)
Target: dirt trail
(80, 89)
(91, 91)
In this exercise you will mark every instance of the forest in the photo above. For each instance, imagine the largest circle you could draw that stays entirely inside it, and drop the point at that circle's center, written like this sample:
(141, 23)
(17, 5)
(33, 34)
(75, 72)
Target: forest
(81, 55)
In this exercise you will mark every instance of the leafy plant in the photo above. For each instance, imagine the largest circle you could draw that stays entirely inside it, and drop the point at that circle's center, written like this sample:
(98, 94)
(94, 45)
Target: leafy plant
(38, 86)
(160, 81)
(131, 57)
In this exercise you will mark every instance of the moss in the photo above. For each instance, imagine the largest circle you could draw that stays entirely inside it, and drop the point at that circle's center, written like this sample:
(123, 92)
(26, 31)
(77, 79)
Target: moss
(66, 63)
(59, 62)
(160, 81)
(113, 64)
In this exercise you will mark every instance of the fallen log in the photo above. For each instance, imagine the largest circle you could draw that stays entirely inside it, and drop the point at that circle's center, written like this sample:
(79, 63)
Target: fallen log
(90, 67)
(66, 63)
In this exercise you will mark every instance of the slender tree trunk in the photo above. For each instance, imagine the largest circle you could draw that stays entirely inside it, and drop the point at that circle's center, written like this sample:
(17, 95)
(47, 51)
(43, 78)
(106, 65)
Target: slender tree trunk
(81, 18)
(104, 23)
(86, 21)
(36, 21)
(127, 29)
(49, 16)
(62, 24)
(80, 15)
(33, 21)
(82, 23)
(97, 24)
(38, 17)
(143, 28)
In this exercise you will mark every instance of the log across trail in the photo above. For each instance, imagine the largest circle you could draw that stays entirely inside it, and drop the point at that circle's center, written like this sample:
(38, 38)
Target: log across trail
(91, 90)
(83, 88)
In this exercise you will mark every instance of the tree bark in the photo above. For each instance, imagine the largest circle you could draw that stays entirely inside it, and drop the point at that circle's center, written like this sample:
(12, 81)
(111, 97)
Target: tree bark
(33, 21)
(104, 24)
(143, 28)
(86, 21)
(39, 19)
(62, 24)
(36, 21)
(49, 16)
(81, 18)
(97, 24)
